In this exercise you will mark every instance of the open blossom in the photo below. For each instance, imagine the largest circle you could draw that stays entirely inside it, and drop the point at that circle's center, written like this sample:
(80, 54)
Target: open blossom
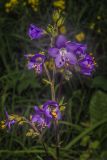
(40, 118)
(35, 32)
(60, 52)
(87, 65)
(36, 62)
(73, 54)
(44, 116)
(51, 109)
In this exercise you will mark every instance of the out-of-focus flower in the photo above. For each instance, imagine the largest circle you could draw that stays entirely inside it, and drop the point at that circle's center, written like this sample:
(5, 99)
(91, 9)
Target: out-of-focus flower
(52, 110)
(34, 4)
(59, 4)
(60, 53)
(10, 5)
(36, 62)
(35, 32)
(98, 30)
(8, 122)
(87, 65)
(80, 36)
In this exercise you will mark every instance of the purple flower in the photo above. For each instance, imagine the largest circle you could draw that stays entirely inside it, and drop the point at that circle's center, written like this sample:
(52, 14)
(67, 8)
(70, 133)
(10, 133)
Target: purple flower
(44, 116)
(61, 54)
(51, 109)
(8, 122)
(66, 52)
(35, 32)
(77, 48)
(36, 62)
(87, 65)
(40, 118)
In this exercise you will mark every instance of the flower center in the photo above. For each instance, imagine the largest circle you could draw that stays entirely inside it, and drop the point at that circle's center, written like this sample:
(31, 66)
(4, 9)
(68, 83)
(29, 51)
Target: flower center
(39, 60)
(63, 52)
(54, 114)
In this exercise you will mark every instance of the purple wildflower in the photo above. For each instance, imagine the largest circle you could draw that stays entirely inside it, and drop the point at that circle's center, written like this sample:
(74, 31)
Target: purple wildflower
(40, 118)
(35, 32)
(87, 65)
(44, 116)
(66, 52)
(51, 109)
(36, 62)
(8, 122)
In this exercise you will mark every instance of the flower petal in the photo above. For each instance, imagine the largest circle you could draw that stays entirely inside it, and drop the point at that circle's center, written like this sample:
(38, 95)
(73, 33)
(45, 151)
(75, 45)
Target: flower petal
(30, 65)
(60, 41)
(35, 32)
(76, 47)
(59, 61)
(53, 52)
(71, 58)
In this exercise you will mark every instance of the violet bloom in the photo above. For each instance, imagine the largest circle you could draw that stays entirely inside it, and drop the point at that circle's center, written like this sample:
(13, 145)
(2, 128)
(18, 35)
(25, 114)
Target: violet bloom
(87, 65)
(77, 48)
(40, 118)
(51, 109)
(36, 62)
(8, 122)
(65, 51)
(35, 32)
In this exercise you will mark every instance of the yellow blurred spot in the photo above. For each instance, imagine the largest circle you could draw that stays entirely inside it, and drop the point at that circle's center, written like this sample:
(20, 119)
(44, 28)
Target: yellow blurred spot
(54, 114)
(80, 37)
(92, 25)
(34, 4)
(99, 30)
(3, 126)
(59, 4)
(62, 29)
(98, 17)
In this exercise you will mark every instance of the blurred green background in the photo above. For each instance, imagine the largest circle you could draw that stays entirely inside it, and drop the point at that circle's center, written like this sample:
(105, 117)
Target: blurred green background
(83, 129)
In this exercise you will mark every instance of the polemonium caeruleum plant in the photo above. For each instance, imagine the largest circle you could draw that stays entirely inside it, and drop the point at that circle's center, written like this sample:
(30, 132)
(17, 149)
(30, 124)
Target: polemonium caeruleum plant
(67, 58)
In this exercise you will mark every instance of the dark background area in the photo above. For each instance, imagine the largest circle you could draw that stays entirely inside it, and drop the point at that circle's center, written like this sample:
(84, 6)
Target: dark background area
(83, 129)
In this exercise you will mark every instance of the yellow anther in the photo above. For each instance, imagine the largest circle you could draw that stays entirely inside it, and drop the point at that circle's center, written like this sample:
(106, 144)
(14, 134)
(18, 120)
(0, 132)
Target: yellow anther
(54, 114)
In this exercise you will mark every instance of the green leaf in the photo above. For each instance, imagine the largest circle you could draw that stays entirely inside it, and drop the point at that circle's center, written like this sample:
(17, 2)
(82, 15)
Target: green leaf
(98, 107)
(100, 82)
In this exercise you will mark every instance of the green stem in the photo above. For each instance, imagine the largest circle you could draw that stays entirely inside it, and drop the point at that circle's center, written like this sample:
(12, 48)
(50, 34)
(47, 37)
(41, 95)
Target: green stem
(36, 130)
(57, 140)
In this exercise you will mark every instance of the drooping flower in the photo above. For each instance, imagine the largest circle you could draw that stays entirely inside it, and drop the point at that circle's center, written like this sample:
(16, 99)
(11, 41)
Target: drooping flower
(87, 65)
(51, 109)
(36, 62)
(35, 32)
(61, 54)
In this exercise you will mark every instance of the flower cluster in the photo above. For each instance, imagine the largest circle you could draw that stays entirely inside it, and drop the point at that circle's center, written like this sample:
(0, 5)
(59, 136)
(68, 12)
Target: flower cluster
(36, 62)
(71, 55)
(68, 55)
(11, 4)
(43, 116)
